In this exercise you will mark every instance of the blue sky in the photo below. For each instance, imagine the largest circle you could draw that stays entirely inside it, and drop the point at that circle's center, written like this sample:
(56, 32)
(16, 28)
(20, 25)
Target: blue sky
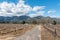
(51, 7)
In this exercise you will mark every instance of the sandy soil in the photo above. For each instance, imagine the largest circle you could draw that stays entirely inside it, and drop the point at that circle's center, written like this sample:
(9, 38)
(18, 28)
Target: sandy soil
(50, 32)
(28, 32)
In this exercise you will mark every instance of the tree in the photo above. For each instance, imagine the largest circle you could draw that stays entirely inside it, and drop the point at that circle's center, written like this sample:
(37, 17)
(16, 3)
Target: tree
(23, 22)
(54, 22)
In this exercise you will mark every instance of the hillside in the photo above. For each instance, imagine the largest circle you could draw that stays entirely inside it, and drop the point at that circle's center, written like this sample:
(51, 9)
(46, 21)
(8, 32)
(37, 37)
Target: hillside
(29, 20)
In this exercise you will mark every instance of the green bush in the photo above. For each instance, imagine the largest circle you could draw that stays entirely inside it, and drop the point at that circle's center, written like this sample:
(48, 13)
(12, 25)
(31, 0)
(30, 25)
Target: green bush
(54, 22)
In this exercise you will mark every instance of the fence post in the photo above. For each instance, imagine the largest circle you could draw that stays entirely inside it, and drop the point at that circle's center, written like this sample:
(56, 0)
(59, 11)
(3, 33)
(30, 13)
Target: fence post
(55, 34)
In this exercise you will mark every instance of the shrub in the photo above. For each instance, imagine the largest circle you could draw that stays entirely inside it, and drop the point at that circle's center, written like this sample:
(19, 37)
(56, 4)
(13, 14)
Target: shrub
(54, 22)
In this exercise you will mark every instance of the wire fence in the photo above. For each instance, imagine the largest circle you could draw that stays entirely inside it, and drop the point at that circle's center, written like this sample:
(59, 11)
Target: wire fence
(54, 31)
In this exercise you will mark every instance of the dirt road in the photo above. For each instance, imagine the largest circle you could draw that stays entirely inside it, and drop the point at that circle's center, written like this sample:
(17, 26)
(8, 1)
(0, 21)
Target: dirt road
(32, 34)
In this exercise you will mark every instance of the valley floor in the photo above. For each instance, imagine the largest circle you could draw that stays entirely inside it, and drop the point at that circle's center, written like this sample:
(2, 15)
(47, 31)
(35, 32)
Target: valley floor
(50, 32)
(28, 32)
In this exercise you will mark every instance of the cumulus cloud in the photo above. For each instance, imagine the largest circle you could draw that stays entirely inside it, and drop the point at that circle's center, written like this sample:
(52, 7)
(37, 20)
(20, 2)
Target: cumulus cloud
(5, 9)
(10, 9)
(37, 8)
(51, 11)
(19, 9)
(37, 14)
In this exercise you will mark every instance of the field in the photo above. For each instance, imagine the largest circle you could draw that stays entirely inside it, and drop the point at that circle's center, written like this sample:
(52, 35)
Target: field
(11, 31)
(29, 32)
(50, 32)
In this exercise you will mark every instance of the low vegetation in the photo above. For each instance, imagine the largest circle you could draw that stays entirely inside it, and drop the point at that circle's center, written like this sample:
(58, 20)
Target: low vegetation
(14, 29)
(50, 32)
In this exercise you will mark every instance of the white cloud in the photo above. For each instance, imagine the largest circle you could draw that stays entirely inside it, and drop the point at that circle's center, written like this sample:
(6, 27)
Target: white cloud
(37, 14)
(36, 8)
(41, 13)
(33, 15)
(11, 9)
(51, 11)
(53, 16)
(5, 9)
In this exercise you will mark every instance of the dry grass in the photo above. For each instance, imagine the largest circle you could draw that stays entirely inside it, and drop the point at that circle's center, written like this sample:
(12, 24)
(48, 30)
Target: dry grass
(7, 30)
(12, 31)
(50, 32)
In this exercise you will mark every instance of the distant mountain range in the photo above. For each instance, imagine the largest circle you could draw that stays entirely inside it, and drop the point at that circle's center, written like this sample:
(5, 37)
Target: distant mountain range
(26, 18)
